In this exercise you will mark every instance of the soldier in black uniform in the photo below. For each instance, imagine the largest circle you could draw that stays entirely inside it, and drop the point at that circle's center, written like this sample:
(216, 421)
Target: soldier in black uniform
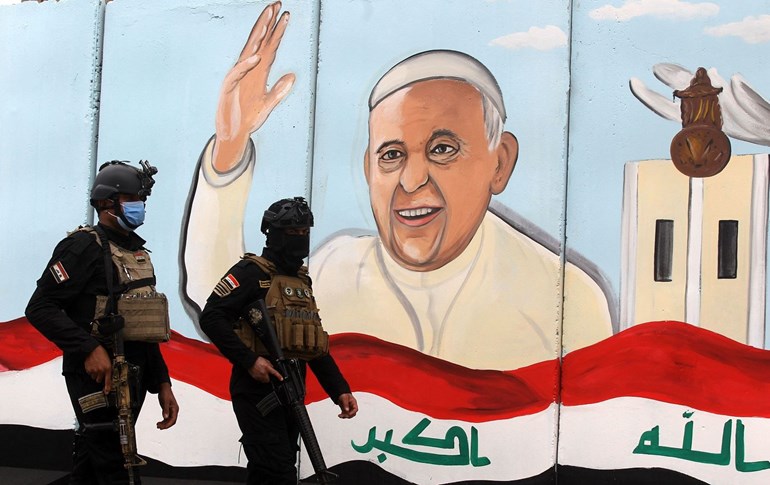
(63, 308)
(269, 442)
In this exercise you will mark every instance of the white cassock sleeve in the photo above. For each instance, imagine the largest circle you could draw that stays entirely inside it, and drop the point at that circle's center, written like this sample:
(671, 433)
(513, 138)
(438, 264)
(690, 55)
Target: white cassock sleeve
(212, 233)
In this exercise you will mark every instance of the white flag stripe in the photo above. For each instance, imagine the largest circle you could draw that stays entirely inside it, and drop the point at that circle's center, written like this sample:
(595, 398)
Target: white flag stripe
(604, 435)
(517, 448)
(36, 397)
(206, 432)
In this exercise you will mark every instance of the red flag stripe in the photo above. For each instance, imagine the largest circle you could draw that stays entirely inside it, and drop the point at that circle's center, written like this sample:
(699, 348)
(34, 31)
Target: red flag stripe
(672, 362)
(438, 388)
(666, 361)
(22, 347)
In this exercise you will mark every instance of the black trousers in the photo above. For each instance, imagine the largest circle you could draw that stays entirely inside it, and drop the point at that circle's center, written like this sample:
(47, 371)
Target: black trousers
(269, 442)
(97, 458)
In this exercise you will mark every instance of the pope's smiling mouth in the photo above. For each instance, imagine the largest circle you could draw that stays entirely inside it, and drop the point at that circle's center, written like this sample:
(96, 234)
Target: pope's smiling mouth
(418, 216)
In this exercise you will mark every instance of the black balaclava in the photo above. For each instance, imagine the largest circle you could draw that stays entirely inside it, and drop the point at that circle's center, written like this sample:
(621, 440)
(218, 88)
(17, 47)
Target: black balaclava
(287, 250)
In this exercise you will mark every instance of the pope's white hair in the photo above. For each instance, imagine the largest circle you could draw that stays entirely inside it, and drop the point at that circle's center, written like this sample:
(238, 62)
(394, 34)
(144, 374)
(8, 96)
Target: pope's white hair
(493, 122)
(446, 64)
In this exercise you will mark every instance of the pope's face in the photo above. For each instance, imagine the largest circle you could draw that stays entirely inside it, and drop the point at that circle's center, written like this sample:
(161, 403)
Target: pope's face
(430, 171)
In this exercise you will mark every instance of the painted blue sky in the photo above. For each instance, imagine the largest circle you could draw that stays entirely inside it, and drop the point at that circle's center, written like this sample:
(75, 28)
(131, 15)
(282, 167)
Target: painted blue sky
(165, 61)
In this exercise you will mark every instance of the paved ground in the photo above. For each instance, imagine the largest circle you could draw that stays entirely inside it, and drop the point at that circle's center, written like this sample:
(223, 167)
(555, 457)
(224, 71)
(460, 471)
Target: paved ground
(26, 476)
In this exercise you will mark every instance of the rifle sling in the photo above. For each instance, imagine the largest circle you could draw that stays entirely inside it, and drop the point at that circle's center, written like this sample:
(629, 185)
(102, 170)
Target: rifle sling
(111, 306)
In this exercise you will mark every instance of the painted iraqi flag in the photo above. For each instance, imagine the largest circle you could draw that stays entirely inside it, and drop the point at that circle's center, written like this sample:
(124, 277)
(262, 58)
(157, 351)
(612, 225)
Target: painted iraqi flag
(668, 395)
(626, 405)
(429, 421)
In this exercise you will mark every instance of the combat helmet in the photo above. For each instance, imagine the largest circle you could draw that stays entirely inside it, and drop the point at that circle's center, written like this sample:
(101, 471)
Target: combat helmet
(287, 213)
(118, 177)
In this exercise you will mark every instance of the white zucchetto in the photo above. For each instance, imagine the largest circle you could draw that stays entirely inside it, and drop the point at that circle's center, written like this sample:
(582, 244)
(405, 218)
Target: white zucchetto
(438, 64)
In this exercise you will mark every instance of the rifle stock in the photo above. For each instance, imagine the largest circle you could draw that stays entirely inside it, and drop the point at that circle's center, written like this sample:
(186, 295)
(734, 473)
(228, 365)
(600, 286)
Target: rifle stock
(290, 391)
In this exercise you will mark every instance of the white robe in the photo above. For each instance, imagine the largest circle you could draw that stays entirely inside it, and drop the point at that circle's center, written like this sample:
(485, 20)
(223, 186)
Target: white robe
(212, 239)
(496, 306)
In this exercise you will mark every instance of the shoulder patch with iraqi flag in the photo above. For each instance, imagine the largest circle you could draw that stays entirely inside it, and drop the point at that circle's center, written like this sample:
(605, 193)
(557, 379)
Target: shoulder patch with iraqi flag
(59, 273)
(226, 285)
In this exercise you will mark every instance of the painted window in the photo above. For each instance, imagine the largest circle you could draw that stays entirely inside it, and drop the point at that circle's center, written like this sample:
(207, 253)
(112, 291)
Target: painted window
(727, 258)
(664, 249)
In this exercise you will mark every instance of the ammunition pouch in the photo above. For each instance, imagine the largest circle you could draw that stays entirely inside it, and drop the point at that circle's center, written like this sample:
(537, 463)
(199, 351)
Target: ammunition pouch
(145, 316)
(298, 340)
(293, 312)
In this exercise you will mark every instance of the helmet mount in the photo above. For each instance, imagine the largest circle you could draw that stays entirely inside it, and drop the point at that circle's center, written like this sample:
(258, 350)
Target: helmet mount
(118, 177)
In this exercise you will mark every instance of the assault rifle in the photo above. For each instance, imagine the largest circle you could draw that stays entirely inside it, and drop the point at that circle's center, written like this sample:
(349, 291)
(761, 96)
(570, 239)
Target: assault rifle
(289, 392)
(124, 375)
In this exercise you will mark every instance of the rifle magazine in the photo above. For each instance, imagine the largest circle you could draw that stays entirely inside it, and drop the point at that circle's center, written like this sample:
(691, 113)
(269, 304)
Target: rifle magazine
(95, 400)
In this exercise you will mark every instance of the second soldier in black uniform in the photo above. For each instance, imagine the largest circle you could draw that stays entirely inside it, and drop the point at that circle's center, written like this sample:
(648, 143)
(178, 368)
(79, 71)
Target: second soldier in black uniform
(270, 442)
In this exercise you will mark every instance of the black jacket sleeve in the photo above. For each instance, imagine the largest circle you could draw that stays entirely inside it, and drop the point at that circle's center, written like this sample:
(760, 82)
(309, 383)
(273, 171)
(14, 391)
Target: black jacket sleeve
(329, 376)
(60, 288)
(157, 371)
(233, 294)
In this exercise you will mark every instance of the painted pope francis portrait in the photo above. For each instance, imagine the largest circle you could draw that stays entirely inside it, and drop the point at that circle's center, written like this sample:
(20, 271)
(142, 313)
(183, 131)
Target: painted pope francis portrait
(445, 273)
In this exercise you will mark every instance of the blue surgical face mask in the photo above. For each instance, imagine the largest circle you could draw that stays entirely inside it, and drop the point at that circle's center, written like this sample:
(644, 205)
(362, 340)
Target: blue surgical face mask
(132, 215)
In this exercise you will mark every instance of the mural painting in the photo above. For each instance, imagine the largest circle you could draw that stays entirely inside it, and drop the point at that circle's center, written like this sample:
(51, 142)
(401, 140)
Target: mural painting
(532, 262)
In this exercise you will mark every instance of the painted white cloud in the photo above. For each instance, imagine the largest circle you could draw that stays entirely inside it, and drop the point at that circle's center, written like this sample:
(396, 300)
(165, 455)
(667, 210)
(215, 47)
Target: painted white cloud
(540, 38)
(670, 9)
(754, 30)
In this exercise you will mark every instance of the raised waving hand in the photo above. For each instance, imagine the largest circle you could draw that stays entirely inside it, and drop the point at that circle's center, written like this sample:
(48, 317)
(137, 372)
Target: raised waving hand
(245, 101)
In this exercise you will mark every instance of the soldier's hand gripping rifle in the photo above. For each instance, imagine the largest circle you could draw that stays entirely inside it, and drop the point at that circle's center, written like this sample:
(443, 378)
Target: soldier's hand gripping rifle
(289, 392)
(124, 375)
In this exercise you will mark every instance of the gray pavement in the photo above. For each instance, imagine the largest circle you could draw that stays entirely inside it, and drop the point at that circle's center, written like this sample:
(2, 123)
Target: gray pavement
(27, 476)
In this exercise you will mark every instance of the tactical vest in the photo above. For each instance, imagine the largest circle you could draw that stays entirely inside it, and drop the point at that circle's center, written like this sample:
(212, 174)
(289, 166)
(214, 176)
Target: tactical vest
(294, 314)
(144, 310)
